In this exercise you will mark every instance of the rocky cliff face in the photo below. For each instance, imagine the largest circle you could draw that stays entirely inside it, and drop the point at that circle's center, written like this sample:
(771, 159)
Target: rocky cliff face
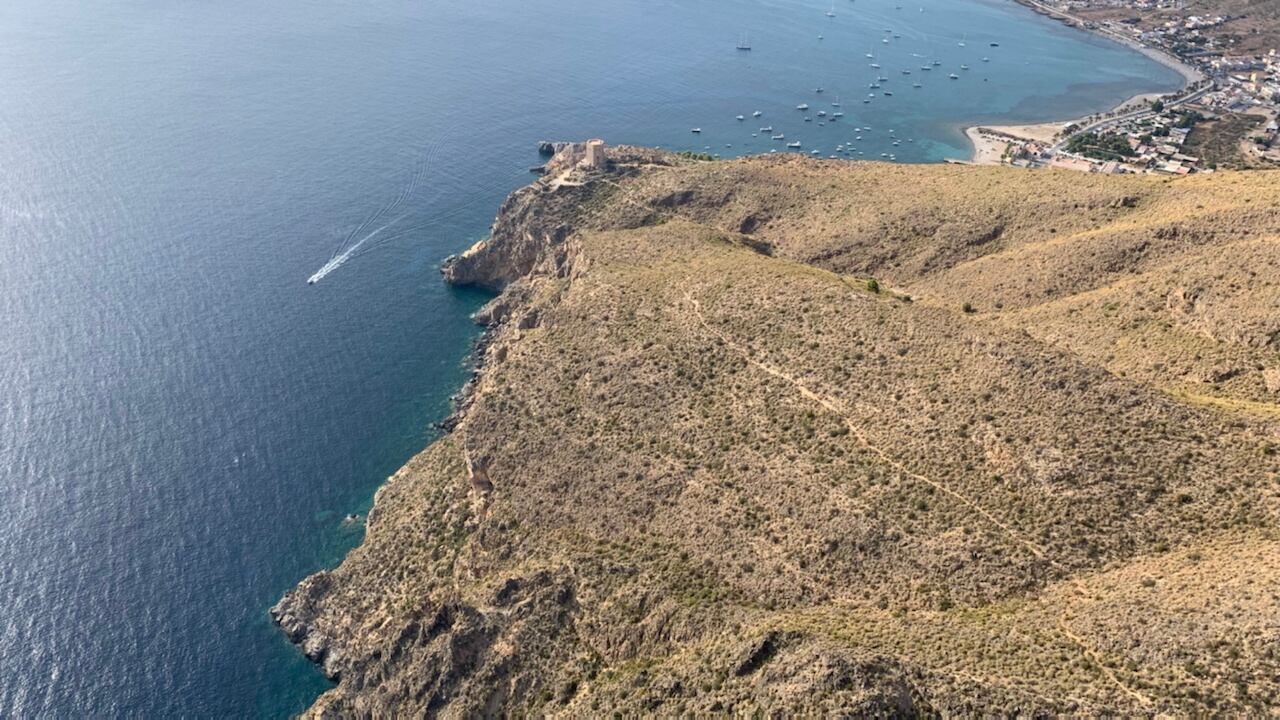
(533, 223)
(527, 235)
(707, 467)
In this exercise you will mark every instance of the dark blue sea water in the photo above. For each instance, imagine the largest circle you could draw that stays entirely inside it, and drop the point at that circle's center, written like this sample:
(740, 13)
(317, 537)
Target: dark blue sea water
(184, 421)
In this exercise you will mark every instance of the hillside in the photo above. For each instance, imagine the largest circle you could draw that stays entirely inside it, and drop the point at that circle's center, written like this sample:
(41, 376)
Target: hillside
(1252, 26)
(708, 466)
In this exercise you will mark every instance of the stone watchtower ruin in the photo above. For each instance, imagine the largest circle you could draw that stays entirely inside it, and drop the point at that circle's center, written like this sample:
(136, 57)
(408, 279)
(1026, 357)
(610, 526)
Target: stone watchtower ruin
(595, 158)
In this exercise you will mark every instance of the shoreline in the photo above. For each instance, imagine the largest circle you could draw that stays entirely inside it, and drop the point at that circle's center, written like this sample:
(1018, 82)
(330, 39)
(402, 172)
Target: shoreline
(989, 141)
(1188, 72)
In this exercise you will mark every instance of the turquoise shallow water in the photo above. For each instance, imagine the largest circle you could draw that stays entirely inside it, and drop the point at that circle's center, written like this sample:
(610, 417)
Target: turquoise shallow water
(184, 421)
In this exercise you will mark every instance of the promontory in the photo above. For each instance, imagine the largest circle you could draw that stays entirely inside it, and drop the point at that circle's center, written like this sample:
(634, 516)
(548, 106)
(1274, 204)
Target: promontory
(784, 436)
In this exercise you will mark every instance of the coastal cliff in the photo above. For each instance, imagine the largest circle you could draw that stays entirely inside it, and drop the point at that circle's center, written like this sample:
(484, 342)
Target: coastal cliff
(792, 435)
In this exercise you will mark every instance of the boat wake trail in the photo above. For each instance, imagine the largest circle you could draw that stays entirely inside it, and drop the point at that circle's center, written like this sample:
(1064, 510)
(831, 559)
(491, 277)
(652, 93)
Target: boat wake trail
(383, 227)
(359, 238)
(343, 255)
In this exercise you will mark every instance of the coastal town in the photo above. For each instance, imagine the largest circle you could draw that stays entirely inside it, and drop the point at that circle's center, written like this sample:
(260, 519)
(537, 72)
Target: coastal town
(1225, 117)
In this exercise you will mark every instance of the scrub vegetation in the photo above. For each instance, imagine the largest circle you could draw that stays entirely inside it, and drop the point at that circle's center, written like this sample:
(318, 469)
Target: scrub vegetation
(778, 434)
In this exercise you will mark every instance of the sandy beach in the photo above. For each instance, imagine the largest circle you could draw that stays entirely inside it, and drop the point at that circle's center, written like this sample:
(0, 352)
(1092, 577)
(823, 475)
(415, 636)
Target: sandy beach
(989, 141)
(1044, 132)
(1189, 73)
(987, 149)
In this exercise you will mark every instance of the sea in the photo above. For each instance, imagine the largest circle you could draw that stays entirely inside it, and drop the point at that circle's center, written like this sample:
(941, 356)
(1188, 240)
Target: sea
(185, 422)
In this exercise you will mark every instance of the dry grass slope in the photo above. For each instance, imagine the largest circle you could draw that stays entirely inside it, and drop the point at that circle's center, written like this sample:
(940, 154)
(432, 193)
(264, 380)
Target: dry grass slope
(707, 469)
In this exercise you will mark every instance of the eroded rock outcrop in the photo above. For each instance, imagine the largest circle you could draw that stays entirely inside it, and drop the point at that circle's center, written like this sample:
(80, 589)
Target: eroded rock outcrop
(534, 222)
